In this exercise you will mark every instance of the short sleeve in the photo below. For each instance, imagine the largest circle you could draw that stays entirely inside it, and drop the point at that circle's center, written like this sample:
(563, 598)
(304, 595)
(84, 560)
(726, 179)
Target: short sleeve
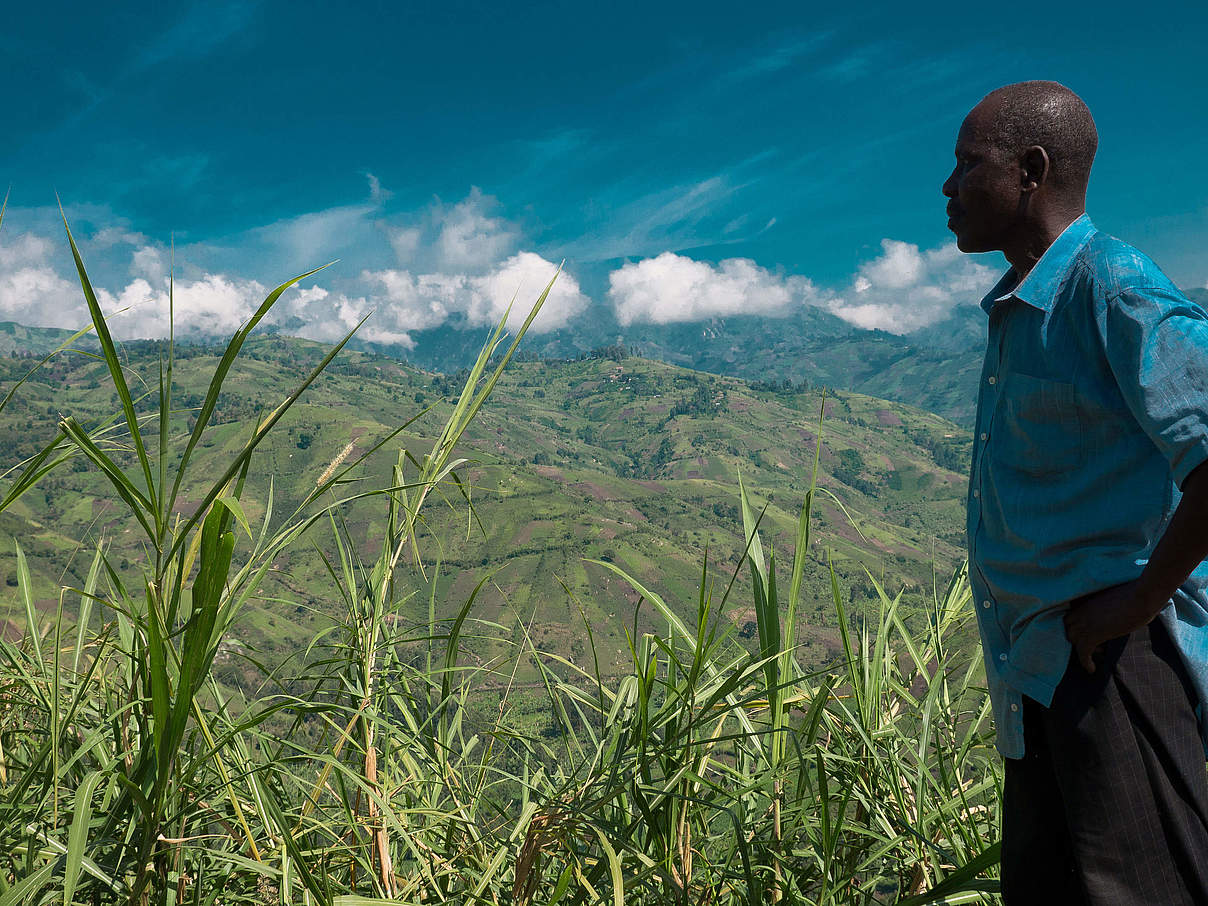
(1156, 341)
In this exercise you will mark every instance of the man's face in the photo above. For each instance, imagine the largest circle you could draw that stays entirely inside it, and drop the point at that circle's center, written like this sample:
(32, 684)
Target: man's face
(983, 190)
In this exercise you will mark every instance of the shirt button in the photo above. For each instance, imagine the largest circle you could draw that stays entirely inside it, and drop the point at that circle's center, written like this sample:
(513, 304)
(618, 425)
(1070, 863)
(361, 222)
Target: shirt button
(985, 604)
(1003, 656)
(984, 436)
(993, 379)
(976, 492)
(1014, 707)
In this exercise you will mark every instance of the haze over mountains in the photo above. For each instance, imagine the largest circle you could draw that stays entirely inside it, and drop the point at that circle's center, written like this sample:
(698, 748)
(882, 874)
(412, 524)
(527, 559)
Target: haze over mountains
(934, 368)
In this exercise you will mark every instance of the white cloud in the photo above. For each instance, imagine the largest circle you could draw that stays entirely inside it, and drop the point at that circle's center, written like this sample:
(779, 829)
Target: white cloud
(39, 297)
(522, 278)
(403, 302)
(900, 291)
(899, 266)
(469, 239)
(216, 305)
(673, 288)
(458, 265)
(26, 249)
(404, 241)
(317, 313)
(378, 194)
(32, 292)
(148, 262)
(316, 237)
(905, 289)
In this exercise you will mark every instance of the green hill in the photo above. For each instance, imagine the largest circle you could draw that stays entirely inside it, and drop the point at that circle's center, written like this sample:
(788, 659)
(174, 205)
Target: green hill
(621, 459)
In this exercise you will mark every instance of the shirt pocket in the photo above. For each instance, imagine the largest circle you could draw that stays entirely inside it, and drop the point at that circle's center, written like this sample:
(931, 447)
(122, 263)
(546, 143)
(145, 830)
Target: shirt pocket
(1041, 434)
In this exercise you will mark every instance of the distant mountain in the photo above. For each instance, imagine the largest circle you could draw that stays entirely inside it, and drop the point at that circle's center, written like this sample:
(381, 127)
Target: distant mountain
(16, 339)
(936, 370)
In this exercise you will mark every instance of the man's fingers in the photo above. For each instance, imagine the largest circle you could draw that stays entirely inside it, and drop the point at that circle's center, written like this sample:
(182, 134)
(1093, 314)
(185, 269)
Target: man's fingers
(1087, 657)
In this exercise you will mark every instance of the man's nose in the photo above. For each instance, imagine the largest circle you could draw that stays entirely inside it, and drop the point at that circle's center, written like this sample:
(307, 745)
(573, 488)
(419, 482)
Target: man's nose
(949, 186)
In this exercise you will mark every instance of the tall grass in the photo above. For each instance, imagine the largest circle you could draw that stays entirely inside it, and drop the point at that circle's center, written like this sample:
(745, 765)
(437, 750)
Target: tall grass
(367, 772)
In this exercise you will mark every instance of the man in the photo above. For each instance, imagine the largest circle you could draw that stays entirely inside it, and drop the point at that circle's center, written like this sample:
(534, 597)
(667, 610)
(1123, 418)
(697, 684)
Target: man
(1088, 522)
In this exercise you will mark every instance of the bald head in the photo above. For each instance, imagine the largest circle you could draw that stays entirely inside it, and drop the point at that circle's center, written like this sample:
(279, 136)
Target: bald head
(1048, 115)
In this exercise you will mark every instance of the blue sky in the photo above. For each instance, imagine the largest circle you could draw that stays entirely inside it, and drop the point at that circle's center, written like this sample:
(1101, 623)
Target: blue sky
(685, 159)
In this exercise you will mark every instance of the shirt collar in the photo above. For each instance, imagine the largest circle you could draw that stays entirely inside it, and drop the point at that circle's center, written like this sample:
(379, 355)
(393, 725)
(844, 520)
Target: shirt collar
(1040, 287)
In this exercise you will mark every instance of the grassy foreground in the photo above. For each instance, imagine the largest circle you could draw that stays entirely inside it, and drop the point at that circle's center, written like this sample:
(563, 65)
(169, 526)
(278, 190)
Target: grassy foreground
(386, 763)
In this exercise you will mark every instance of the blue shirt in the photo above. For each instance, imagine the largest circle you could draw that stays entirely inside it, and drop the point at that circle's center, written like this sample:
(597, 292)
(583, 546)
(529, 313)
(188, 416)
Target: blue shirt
(1092, 410)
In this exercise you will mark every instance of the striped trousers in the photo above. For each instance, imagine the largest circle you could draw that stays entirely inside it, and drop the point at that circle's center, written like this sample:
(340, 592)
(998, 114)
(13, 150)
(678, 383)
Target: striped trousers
(1109, 804)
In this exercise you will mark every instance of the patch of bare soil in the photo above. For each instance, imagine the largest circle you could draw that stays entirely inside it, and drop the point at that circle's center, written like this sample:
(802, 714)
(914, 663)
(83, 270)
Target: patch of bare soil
(524, 536)
(593, 489)
(635, 514)
(183, 506)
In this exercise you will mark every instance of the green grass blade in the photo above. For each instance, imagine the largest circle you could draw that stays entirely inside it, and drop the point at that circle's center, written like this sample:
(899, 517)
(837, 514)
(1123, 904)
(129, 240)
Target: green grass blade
(77, 836)
(116, 374)
(25, 890)
(140, 506)
(85, 612)
(25, 583)
(962, 881)
(240, 462)
(685, 633)
(219, 377)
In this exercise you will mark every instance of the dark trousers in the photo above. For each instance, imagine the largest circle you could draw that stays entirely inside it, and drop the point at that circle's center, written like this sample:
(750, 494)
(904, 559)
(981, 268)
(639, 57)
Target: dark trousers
(1109, 804)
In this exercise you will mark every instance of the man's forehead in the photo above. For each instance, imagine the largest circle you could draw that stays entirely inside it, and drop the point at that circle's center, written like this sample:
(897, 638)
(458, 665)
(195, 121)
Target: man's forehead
(978, 127)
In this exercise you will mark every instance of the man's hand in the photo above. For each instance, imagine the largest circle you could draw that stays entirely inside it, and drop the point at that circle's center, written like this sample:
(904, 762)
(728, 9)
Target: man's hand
(1119, 610)
(1107, 615)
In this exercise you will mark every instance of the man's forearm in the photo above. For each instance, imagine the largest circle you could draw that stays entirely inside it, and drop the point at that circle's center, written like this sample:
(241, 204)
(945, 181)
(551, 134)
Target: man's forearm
(1122, 609)
(1183, 546)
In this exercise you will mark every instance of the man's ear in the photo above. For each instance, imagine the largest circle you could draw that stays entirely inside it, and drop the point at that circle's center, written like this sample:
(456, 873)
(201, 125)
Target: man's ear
(1033, 168)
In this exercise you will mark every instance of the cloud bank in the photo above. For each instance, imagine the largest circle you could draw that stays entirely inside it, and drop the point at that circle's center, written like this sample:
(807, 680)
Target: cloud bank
(458, 265)
(463, 266)
(900, 291)
(403, 302)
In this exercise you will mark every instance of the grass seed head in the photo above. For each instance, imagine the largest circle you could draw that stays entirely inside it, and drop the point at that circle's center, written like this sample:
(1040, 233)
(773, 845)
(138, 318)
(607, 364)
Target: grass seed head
(335, 463)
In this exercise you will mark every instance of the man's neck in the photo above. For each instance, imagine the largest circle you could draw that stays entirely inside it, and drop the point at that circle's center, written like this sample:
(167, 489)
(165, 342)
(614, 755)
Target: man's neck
(1036, 241)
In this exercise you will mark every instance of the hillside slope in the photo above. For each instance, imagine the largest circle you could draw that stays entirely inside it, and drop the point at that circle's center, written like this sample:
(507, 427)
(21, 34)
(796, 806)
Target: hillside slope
(629, 460)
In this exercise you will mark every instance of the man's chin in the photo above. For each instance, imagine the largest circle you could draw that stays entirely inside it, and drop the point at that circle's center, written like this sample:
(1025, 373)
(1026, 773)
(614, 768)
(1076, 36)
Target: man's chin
(970, 245)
